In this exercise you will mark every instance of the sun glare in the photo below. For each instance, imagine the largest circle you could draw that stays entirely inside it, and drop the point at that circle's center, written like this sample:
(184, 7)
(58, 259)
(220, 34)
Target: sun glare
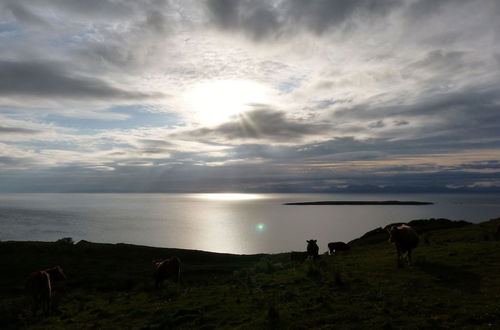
(214, 102)
(229, 197)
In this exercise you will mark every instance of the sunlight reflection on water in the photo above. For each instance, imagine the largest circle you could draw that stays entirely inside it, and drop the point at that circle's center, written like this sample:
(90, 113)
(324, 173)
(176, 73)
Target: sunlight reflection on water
(229, 196)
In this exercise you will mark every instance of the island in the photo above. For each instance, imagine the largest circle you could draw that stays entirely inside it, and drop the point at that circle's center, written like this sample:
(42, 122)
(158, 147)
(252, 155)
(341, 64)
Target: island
(360, 203)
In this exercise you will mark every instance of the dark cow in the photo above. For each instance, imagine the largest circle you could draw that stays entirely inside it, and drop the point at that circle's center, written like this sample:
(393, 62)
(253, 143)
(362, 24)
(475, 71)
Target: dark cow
(167, 269)
(39, 285)
(298, 257)
(338, 247)
(312, 249)
(405, 239)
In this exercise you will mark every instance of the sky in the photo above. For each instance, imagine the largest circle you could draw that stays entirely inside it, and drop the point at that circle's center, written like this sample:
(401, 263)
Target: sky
(250, 96)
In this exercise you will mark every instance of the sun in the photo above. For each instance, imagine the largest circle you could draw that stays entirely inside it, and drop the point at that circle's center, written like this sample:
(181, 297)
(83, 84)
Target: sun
(214, 102)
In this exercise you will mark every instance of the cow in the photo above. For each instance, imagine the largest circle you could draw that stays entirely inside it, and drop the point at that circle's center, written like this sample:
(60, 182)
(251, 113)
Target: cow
(405, 239)
(338, 247)
(298, 257)
(39, 288)
(167, 269)
(39, 285)
(312, 249)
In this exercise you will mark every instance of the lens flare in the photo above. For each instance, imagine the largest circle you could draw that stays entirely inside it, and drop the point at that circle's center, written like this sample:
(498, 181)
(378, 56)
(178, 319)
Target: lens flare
(261, 227)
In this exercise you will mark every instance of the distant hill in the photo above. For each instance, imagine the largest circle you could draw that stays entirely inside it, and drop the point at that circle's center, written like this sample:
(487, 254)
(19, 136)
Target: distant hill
(360, 203)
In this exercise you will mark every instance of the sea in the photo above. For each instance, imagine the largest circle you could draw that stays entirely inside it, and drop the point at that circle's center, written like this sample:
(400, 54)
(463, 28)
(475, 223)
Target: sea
(226, 223)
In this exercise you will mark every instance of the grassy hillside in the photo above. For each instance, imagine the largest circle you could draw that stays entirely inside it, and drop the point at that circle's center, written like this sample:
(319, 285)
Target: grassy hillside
(453, 284)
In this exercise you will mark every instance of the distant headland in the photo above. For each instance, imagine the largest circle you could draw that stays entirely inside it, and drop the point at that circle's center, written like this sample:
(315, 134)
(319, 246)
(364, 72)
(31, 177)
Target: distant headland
(360, 203)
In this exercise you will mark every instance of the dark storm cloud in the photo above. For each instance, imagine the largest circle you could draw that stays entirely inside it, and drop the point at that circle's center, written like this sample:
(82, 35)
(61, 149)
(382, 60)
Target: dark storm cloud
(261, 19)
(262, 124)
(50, 79)
(17, 130)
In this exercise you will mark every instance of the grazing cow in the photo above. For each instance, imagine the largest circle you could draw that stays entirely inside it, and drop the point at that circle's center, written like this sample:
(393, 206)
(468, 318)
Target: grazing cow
(405, 239)
(298, 257)
(338, 246)
(39, 285)
(312, 249)
(167, 269)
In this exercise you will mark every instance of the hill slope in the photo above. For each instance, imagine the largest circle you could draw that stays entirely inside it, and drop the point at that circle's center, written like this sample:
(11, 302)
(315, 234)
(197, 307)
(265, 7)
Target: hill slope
(453, 283)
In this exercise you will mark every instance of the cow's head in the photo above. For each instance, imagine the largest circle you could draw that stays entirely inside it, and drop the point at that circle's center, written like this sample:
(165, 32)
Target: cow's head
(393, 233)
(56, 273)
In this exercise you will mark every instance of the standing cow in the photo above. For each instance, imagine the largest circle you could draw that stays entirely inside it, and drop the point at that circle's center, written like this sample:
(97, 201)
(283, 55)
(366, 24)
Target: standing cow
(312, 249)
(167, 269)
(39, 285)
(405, 239)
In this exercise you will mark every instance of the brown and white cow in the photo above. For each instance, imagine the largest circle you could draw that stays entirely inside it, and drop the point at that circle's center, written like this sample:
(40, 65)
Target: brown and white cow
(405, 239)
(167, 269)
(39, 285)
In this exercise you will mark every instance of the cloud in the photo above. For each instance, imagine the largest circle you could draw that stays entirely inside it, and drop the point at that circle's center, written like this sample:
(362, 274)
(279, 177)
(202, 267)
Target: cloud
(263, 19)
(50, 79)
(360, 94)
(320, 16)
(261, 124)
(24, 15)
(17, 130)
(257, 19)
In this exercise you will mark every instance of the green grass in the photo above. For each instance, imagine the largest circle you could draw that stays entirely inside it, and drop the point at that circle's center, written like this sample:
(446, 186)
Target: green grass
(454, 283)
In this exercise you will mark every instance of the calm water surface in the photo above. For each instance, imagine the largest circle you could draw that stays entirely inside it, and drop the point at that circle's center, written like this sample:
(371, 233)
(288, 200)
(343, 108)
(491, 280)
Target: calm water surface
(221, 223)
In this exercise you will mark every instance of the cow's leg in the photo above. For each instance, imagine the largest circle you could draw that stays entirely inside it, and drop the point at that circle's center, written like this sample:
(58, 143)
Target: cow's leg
(34, 305)
(46, 306)
(399, 264)
(409, 257)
